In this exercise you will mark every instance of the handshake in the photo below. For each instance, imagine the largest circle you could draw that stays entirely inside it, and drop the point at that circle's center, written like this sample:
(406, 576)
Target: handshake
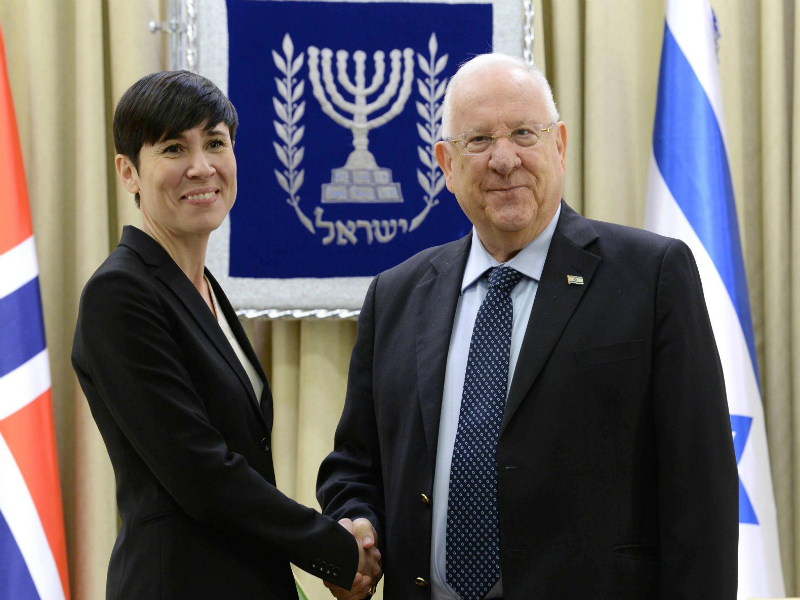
(369, 561)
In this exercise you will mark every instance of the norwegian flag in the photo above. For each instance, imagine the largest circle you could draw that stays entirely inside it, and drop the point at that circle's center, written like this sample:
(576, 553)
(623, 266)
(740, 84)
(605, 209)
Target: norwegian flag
(33, 557)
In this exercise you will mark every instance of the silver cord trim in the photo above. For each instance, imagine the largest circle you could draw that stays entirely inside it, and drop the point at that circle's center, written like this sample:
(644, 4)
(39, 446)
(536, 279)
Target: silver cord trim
(315, 314)
(527, 32)
(192, 54)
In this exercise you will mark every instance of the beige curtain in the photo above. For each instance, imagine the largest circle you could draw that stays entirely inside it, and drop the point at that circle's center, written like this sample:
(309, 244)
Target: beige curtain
(70, 60)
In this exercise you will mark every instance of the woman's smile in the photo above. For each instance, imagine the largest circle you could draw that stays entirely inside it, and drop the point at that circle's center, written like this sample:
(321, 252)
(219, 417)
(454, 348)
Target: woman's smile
(201, 198)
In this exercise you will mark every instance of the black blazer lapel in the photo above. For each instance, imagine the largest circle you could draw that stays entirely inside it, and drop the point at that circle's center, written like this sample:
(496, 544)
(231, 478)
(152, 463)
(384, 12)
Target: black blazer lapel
(435, 301)
(170, 274)
(556, 300)
(265, 402)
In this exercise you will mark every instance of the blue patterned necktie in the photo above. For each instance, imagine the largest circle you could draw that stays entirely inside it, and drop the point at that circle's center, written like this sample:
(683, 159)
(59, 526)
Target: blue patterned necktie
(473, 538)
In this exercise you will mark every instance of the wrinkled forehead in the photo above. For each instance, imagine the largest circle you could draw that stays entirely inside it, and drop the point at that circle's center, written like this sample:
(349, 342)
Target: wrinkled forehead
(497, 96)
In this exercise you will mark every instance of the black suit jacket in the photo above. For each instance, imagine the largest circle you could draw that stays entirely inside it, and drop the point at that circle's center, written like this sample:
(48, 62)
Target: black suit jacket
(616, 471)
(189, 442)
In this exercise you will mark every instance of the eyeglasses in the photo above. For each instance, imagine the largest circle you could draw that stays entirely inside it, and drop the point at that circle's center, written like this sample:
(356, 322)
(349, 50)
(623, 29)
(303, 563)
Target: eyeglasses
(470, 144)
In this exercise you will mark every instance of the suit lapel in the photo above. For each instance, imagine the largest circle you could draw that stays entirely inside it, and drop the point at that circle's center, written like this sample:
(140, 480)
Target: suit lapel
(170, 274)
(265, 402)
(556, 301)
(435, 301)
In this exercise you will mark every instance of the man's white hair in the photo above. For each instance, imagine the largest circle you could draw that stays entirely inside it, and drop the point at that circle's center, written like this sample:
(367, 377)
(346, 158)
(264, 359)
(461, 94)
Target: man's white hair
(484, 61)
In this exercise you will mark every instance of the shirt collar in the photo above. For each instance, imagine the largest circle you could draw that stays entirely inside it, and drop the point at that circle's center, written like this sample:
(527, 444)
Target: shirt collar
(529, 261)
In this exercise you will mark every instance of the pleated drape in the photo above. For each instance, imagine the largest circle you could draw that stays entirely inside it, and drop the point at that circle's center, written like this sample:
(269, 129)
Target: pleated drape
(70, 60)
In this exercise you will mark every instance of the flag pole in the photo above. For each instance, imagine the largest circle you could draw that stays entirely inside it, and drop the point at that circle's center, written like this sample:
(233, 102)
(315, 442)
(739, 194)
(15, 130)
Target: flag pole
(181, 26)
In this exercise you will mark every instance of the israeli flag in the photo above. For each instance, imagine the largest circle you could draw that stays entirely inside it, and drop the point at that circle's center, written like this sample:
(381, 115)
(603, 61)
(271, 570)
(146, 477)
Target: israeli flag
(690, 196)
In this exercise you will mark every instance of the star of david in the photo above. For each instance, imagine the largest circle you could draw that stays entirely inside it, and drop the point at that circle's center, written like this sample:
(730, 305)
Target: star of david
(740, 427)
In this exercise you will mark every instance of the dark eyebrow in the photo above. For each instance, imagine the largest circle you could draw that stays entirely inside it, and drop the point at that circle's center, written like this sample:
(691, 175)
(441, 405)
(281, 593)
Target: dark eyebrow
(168, 141)
(214, 131)
(218, 129)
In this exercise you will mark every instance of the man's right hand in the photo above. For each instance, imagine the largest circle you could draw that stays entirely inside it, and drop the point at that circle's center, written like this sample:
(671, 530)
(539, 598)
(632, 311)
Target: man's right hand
(369, 561)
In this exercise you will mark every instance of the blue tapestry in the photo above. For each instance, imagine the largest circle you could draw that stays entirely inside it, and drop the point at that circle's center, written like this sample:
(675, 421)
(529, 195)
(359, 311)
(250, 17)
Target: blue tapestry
(339, 108)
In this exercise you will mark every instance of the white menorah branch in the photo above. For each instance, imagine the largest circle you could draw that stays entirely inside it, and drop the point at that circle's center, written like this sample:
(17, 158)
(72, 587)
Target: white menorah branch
(359, 124)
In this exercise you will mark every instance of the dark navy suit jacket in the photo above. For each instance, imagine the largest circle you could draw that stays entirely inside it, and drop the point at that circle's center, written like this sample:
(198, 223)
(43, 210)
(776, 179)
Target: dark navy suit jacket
(616, 470)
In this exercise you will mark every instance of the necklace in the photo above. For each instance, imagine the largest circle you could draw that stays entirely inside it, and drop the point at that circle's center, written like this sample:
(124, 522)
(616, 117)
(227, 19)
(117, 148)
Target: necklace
(211, 298)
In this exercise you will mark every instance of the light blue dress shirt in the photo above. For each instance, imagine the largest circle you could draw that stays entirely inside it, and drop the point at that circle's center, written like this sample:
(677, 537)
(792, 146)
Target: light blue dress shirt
(474, 287)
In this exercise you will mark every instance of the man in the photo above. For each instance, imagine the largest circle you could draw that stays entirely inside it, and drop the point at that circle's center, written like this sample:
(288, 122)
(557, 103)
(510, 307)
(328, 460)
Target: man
(536, 411)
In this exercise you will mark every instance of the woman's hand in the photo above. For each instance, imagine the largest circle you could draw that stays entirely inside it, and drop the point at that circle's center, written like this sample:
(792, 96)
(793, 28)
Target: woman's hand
(369, 561)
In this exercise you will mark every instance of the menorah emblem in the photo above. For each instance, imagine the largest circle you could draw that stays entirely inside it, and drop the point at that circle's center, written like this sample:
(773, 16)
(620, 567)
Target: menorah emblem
(361, 179)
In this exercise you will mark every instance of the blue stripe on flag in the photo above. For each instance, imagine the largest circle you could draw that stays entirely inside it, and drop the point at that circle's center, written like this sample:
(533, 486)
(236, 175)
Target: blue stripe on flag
(740, 427)
(21, 326)
(690, 153)
(15, 580)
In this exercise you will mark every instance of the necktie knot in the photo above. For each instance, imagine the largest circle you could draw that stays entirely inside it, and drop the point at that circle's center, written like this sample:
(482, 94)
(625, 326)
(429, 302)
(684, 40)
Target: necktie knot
(503, 278)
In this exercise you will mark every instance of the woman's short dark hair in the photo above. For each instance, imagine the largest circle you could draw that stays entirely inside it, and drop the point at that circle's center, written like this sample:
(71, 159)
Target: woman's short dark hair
(163, 105)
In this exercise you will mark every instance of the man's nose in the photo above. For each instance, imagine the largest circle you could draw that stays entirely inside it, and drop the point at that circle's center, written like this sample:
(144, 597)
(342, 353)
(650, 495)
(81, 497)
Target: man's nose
(504, 158)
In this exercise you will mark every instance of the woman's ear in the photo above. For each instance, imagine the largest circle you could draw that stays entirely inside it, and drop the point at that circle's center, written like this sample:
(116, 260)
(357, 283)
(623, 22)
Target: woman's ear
(127, 173)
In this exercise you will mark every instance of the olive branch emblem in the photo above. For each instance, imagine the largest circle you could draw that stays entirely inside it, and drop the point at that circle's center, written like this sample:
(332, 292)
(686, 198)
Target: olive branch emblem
(290, 112)
(432, 89)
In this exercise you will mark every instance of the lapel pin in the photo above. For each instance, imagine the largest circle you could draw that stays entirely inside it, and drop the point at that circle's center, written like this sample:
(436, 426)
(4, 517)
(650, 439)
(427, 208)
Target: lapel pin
(576, 279)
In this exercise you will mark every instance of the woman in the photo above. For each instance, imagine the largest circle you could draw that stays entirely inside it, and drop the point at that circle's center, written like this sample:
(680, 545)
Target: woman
(173, 384)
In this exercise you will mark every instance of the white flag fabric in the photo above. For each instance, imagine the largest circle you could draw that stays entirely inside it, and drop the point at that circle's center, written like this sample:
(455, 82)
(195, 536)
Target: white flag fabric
(690, 196)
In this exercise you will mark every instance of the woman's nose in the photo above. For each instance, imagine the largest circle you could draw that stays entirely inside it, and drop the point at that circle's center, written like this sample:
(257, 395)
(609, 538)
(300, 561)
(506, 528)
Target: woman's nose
(200, 166)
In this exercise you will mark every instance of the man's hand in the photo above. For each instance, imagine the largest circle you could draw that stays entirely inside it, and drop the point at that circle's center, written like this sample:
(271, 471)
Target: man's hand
(369, 561)
(367, 537)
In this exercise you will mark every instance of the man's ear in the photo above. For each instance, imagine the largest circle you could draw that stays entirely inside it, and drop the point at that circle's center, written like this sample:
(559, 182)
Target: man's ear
(445, 160)
(561, 143)
(127, 173)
